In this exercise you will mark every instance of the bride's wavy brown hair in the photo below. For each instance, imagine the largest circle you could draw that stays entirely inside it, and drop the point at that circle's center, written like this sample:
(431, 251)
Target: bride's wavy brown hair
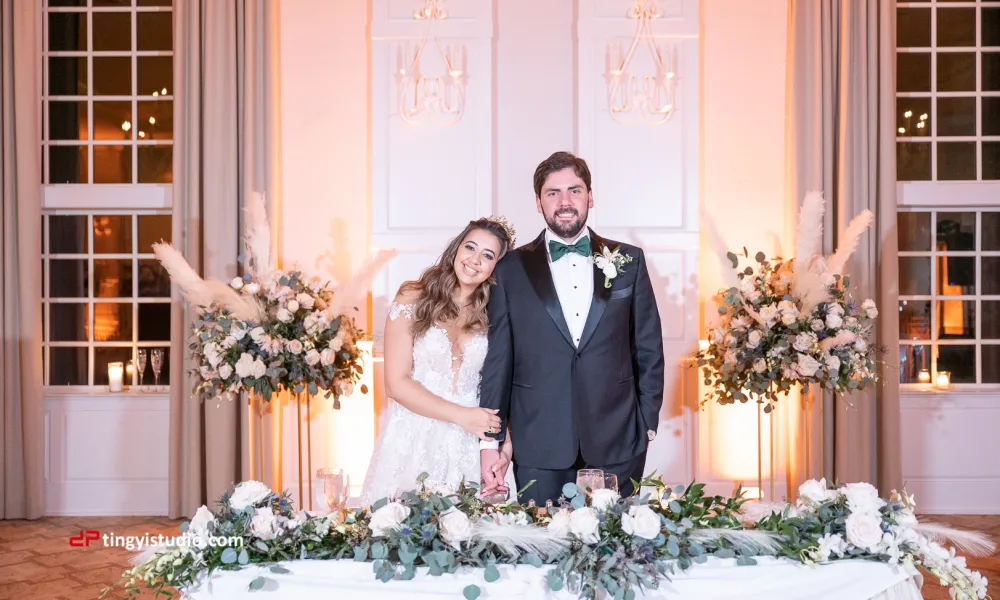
(436, 286)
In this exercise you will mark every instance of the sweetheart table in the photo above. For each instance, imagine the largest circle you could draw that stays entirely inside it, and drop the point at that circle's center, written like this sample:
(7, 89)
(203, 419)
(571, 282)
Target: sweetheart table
(717, 579)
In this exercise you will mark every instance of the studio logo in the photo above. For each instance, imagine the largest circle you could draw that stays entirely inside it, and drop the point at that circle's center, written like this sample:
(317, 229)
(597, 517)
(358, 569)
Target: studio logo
(83, 540)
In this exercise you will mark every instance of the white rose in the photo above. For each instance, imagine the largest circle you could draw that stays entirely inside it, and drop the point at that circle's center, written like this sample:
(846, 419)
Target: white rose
(247, 494)
(200, 522)
(264, 524)
(760, 365)
(862, 498)
(869, 307)
(817, 325)
(228, 342)
(225, 371)
(328, 356)
(583, 524)
(730, 357)
(641, 522)
(610, 271)
(833, 364)
(293, 305)
(238, 333)
(388, 518)
(206, 373)
(816, 492)
(860, 345)
(236, 283)
(455, 527)
(787, 306)
(251, 288)
(559, 525)
(337, 342)
(806, 365)
(906, 518)
(244, 366)
(294, 346)
(259, 368)
(788, 319)
(851, 321)
(863, 530)
(835, 309)
(257, 334)
(284, 315)
(312, 357)
(738, 324)
(804, 341)
(604, 499)
(213, 353)
(753, 340)
(306, 301)
(831, 544)
(833, 320)
(769, 313)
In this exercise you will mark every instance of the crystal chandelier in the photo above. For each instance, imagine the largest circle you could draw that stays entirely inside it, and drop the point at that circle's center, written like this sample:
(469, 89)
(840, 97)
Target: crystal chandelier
(650, 97)
(429, 99)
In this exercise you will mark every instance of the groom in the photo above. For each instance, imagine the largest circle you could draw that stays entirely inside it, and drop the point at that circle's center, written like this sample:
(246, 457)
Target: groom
(575, 361)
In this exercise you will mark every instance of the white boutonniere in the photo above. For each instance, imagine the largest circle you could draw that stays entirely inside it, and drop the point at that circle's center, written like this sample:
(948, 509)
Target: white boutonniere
(610, 262)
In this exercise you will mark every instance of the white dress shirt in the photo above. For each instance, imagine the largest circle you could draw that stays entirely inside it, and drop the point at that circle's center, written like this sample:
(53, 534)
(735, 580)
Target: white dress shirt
(573, 276)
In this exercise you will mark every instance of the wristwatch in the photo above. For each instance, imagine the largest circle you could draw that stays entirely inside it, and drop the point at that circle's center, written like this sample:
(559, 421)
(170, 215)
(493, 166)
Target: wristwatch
(650, 434)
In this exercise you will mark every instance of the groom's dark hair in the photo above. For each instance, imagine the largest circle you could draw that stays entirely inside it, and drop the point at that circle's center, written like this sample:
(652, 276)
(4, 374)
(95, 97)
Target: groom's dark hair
(557, 162)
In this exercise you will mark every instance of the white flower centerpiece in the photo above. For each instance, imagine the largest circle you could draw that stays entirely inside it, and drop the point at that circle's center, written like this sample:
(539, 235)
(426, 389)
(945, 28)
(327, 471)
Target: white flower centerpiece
(794, 322)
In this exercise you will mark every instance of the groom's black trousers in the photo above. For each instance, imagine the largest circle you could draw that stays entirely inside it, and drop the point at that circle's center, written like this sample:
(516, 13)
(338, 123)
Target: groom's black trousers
(549, 482)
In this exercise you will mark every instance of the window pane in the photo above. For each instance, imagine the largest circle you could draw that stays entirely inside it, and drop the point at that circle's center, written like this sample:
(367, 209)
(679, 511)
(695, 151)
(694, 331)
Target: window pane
(914, 320)
(991, 160)
(68, 322)
(112, 234)
(154, 30)
(991, 231)
(113, 120)
(112, 322)
(913, 27)
(990, 26)
(67, 164)
(154, 2)
(67, 2)
(156, 164)
(913, 161)
(956, 320)
(914, 230)
(112, 164)
(67, 366)
(112, 31)
(122, 3)
(960, 360)
(956, 27)
(912, 117)
(67, 278)
(991, 275)
(956, 161)
(103, 356)
(913, 72)
(67, 76)
(112, 76)
(991, 320)
(991, 115)
(153, 228)
(154, 281)
(155, 74)
(991, 71)
(68, 31)
(991, 363)
(912, 360)
(956, 276)
(113, 278)
(156, 120)
(956, 71)
(154, 322)
(164, 368)
(67, 120)
(914, 276)
(956, 116)
(68, 234)
(956, 231)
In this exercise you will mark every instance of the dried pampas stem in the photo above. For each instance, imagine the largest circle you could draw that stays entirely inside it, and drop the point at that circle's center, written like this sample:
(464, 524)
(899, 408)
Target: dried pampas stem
(841, 339)
(973, 543)
(849, 244)
(257, 237)
(809, 235)
(515, 540)
(747, 541)
(349, 293)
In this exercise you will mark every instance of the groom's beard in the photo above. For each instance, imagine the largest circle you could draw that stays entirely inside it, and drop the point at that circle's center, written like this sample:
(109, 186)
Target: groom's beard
(566, 230)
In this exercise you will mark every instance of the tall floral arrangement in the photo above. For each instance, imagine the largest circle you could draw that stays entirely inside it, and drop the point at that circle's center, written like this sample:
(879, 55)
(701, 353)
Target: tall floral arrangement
(271, 330)
(791, 322)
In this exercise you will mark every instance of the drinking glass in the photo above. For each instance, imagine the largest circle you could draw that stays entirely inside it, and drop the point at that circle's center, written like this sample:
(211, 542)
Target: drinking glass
(334, 490)
(141, 365)
(590, 479)
(157, 358)
(611, 481)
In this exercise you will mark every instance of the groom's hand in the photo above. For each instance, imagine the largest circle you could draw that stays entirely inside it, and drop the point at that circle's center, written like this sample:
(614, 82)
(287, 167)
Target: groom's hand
(492, 477)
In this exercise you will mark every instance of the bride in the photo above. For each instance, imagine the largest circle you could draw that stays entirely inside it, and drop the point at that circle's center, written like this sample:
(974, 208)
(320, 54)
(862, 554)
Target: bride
(435, 345)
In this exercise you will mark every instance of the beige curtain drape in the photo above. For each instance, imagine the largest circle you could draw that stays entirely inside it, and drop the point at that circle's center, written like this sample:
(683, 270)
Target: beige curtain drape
(841, 140)
(21, 432)
(226, 107)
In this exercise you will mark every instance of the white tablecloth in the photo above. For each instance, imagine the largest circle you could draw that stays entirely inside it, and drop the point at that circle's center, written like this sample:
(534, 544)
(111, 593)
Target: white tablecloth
(717, 579)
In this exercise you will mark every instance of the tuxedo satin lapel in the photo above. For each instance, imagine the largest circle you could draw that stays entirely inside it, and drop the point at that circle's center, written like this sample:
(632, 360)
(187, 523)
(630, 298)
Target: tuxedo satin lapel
(536, 263)
(601, 294)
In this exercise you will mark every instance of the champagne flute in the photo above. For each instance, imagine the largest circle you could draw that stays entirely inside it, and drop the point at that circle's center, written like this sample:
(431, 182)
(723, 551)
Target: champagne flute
(141, 365)
(157, 359)
(589, 480)
(336, 488)
(611, 481)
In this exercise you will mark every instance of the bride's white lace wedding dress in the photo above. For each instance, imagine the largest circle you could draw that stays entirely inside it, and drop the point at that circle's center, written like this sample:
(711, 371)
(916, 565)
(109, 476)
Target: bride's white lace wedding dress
(410, 444)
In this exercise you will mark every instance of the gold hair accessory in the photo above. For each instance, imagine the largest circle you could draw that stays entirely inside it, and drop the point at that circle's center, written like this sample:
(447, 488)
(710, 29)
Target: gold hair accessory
(502, 222)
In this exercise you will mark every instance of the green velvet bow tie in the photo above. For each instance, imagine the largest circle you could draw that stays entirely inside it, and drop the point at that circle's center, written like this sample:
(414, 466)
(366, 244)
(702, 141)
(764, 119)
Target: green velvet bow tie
(558, 250)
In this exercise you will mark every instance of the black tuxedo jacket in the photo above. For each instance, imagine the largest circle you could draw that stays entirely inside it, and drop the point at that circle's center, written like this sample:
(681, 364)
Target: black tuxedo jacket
(598, 398)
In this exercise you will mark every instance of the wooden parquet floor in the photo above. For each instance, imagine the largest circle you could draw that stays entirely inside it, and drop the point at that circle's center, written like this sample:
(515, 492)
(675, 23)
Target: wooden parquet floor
(37, 562)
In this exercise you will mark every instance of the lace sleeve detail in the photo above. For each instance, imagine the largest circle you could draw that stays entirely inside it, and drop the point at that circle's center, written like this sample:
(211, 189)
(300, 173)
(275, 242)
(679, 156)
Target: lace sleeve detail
(396, 309)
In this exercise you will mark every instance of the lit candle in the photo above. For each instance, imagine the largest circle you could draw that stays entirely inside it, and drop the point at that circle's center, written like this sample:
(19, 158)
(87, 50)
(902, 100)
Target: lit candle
(130, 373)
(115, 370)
(943, 380)
(924, 376)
